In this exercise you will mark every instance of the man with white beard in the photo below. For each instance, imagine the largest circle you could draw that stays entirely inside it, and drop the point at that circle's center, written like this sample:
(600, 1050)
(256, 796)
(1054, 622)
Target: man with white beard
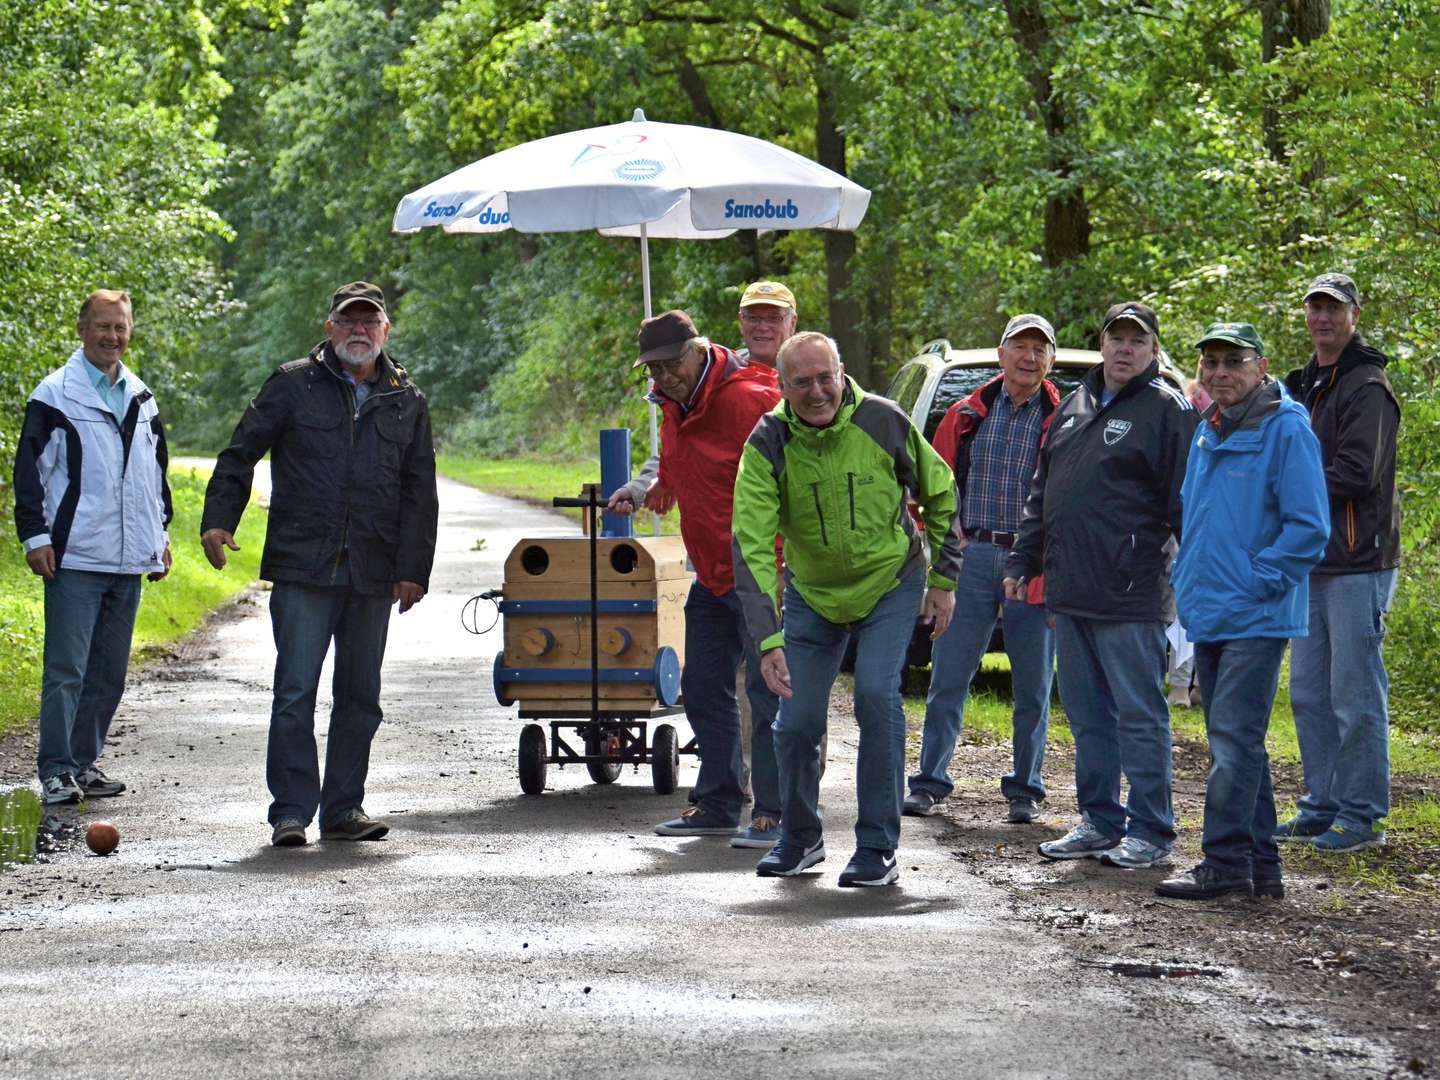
(353, 513)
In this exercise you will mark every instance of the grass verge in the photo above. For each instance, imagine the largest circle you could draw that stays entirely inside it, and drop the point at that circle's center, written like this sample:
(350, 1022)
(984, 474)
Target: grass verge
(169, 609)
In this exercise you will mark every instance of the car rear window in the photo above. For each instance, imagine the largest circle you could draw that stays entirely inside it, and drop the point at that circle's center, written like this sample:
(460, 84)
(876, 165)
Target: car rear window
(959, 383)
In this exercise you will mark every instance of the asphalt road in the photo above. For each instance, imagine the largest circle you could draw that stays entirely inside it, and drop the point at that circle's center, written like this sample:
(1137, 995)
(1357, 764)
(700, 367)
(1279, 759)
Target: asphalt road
(497, 935)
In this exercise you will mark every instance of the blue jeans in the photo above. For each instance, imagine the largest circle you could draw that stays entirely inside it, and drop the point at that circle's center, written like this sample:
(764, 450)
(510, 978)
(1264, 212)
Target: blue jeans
(1030, 644)
(1238, 680)
(1340, 693)
(305, 619)
(1110, 684)
(89, 618)
(814, 647)
(715, 643)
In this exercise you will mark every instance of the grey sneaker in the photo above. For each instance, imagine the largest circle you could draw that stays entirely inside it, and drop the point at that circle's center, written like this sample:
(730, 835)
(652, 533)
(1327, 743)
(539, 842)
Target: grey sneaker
(1136, 854)
(1084, 841)
(289, 832)
(356, 825)
(60, 789)
(921, 803)
(1023, 811)
(96, 785)
(763, 833)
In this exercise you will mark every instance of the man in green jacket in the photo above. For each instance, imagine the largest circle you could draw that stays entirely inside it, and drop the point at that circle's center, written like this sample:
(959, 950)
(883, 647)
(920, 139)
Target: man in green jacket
(830, 469)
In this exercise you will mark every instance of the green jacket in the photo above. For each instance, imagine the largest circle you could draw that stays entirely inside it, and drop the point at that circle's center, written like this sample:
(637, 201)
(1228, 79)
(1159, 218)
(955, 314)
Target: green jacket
(838, 496)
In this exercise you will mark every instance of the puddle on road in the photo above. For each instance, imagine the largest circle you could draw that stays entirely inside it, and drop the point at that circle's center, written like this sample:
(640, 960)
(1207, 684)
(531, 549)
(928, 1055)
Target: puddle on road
(31, 831)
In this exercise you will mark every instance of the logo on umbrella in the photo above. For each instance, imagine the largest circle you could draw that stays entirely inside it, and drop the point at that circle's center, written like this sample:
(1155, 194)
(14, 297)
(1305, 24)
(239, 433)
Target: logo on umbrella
(639, 169)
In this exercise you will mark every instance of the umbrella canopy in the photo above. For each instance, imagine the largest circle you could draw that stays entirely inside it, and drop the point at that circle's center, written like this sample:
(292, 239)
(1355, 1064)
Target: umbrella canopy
(675, 180)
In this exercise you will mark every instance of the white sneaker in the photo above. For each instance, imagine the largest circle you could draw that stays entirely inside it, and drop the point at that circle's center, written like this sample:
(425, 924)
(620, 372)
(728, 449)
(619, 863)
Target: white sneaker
(1136, 854)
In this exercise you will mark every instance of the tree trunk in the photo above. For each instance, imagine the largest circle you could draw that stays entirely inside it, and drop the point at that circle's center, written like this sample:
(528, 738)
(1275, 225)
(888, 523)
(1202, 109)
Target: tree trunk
(839, 246)
(1283, 25)
(1067, 215)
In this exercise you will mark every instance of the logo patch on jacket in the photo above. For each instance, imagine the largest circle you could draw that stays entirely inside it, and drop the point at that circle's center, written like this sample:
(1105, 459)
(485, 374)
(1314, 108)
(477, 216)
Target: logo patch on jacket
(1068, 423)
(1115, 430)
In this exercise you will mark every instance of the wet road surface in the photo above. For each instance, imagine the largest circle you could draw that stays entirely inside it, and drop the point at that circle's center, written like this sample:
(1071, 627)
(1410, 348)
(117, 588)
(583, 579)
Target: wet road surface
(493, 934)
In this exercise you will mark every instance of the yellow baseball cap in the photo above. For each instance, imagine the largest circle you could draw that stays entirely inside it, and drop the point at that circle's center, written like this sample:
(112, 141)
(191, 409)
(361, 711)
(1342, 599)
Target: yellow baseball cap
(768, 292)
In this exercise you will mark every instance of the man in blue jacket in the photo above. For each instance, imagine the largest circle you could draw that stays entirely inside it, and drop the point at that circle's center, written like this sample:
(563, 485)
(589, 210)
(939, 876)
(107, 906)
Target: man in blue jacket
(91, 507)
(1256, 523)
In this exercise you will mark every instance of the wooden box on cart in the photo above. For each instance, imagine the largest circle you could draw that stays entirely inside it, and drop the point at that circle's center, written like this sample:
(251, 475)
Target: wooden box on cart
(641, 587)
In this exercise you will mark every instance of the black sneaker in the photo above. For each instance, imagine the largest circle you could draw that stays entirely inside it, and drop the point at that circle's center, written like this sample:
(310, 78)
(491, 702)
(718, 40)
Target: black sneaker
(96, 785)
(869, 867)
(787, 859)
(356, 825)
(60, 789)
(289, 832)
(1022, 811)
(921, 803)
(1203, 883)
(1269, 889)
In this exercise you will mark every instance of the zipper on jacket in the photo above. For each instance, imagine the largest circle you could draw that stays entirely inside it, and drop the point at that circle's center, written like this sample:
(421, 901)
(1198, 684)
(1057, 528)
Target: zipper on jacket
(820, 513)
(850, 481)
(1131, 584)
(1350, 525)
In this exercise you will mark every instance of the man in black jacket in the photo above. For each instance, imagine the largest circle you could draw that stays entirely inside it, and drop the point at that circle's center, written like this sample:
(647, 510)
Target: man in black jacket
(1338, 684)
(1105, 501)
(353, 514)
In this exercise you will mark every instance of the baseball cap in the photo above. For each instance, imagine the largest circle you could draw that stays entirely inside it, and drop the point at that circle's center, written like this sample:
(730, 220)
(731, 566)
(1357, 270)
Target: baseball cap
(767, 292)
(1236, 333)
(1028, 322)
(663, 337)
(1135, 311)
(1337, 285)
(357, 292)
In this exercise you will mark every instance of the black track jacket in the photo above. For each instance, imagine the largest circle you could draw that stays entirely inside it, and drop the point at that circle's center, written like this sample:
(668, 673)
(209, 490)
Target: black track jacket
(1106, 498)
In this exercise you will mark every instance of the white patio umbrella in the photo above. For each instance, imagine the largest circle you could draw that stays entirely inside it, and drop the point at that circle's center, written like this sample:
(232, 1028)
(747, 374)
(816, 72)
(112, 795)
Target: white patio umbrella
(641, 178)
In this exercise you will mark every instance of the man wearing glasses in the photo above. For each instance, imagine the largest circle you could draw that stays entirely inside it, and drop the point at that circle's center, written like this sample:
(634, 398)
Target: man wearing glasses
(353, 515)
(711, 400)
(1256, 523)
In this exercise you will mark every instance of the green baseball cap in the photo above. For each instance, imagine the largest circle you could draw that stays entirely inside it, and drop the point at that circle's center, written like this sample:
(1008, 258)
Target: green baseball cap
(1236, 333)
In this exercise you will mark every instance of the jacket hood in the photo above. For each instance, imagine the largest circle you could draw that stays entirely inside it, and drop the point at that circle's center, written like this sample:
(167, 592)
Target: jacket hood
(1355, 354)
(1263, 403)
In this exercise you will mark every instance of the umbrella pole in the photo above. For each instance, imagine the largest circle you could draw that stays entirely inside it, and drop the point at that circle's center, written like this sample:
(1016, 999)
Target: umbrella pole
(645, 285)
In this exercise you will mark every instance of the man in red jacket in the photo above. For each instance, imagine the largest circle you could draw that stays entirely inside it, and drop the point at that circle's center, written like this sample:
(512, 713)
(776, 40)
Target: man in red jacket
(991, 440)
(711, 400)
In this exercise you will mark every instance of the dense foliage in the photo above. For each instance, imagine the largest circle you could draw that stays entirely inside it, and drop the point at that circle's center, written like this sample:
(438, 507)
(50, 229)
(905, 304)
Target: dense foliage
(231, 161)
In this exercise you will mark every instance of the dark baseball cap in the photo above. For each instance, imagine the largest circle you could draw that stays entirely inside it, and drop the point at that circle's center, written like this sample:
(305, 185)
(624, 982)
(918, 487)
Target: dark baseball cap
(1028, 322)
(1234, 333)
(357, 292)
(1337, 285)
(1134, 311)
(663, 337)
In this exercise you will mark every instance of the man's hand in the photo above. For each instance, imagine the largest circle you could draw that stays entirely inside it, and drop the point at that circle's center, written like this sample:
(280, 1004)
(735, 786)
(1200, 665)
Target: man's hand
(1014, 588)
(777, 673)
(659, 499)
(159, 575)
(937, 610)
(407, 593)
(215, 541)
(621, 502)
(42, 561)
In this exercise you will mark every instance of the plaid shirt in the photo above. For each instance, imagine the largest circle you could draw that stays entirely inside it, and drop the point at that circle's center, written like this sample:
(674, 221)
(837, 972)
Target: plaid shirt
(1003, 455)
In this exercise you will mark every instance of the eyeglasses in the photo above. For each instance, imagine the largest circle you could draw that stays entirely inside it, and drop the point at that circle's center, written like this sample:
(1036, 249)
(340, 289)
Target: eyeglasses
(1229, 363)
(825, 382)
(374, 322)
(755, 319)
(656, 368)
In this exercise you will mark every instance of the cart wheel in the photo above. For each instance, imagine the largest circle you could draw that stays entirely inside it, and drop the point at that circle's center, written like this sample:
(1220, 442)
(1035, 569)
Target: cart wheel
(603, 772)
(665, 760)
(532, 759)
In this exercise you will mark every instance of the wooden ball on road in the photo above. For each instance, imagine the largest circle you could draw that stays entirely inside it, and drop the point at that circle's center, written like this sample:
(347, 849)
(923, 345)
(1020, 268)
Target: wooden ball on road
(102, 837)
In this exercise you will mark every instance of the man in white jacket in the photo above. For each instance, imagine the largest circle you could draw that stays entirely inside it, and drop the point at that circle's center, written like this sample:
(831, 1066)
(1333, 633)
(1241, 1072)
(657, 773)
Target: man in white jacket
(91, 507)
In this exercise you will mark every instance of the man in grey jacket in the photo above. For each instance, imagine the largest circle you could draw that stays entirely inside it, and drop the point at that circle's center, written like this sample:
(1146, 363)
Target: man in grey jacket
(91, 507)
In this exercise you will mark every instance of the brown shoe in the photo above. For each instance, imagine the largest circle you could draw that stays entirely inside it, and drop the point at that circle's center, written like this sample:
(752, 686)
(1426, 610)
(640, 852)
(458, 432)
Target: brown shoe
(356, 825)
